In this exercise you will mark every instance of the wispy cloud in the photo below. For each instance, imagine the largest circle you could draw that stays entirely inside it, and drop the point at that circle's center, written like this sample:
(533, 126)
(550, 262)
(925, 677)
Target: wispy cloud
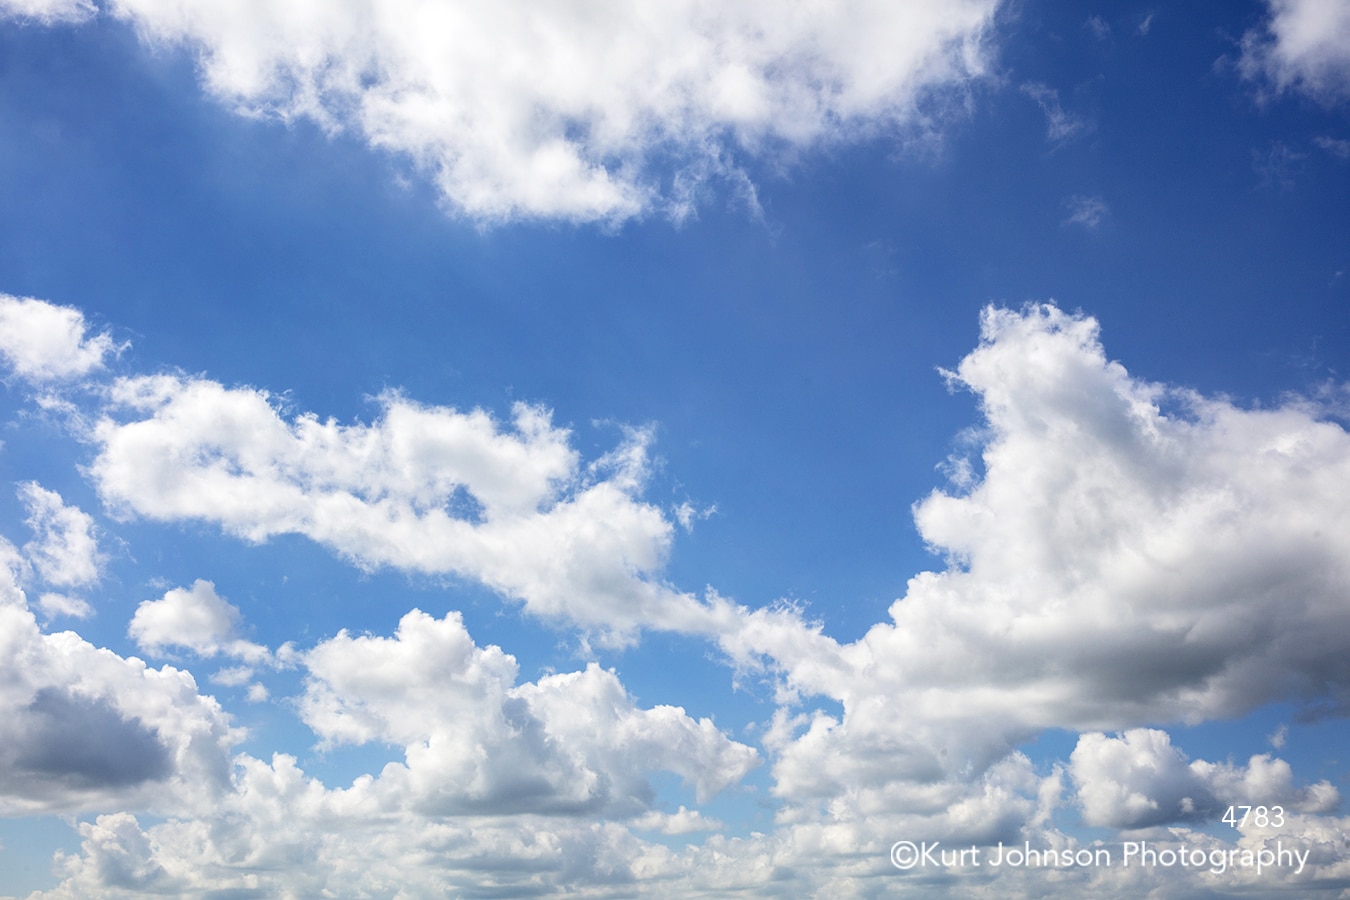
(1086, 211)
(1060, 125)
(1277, 165)
(1337, 147)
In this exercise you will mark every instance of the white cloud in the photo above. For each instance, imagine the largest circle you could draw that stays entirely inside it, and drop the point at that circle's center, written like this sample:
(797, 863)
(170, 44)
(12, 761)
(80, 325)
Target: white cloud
(682, 821)
(1116, 565)
(1305, 47)
(686, 514)
(1137, 779)
(64, 550)
(232, 676)
(505, 786)
(1060, 125)
(195, 618)
(53, 605)
(44, 342)
(48, 11)
(424, 489)
(477, 742)
(87, 729)
(522, 110)
(1131, 554)
(1086, 211)
(284, 834)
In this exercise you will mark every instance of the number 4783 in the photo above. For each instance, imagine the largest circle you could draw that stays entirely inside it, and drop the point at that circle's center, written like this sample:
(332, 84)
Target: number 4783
(1261, 816)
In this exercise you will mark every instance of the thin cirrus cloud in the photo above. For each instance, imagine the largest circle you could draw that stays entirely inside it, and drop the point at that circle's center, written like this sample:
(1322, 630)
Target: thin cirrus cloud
(1060, 125)
(1086, 211)
(48, 11)
(519, 110)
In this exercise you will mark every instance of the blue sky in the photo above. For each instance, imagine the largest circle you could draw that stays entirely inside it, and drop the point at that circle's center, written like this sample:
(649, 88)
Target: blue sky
(674, 450)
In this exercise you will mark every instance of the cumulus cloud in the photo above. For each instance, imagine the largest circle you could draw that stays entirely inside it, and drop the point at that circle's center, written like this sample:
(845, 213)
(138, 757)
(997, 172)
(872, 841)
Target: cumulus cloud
(86, 728)
(1305, 47)
(53, 605)
(42, 342)
(575, 112)
(1133, 554)
(477, 742)
(284, 834)
(194, 618)
(425, 489)
(64, 550)
(508, 788)
(1138, 778)
(1124, 554)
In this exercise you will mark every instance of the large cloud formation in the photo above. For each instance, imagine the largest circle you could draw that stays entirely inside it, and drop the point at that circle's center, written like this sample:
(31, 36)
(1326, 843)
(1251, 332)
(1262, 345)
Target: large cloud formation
(424, 489)
(1119, 555)
(1131, 554)
(574, 110)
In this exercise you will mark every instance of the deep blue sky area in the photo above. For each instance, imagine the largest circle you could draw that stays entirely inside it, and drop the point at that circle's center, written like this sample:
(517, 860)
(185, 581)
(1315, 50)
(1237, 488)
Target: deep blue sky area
(1141, 166)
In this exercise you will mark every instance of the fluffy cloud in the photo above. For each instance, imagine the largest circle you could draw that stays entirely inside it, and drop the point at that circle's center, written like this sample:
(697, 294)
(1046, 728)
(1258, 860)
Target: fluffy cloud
(43, 342)
(505, 788)
(1120, 554)
(284, 834)
(476, 741)
(1131, 554)
(64, 550)
(1306, 47)
(53, 605)
(1138, 779)
(195, 618)
(430, 490)
(575, 110)
(88, 729)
